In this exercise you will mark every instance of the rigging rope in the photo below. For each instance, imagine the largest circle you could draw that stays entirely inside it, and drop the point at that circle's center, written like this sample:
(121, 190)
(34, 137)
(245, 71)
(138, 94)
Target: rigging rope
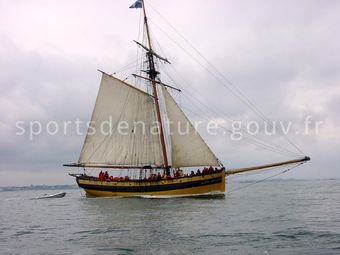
(139, 32)
(250, 139)
(128, 66)
(273, 148)
(262, 180)
(295, 154)
(233, 89)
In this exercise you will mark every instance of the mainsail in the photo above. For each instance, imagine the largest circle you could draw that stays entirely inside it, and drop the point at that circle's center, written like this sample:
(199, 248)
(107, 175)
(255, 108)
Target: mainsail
(124, 118)
(188, 147)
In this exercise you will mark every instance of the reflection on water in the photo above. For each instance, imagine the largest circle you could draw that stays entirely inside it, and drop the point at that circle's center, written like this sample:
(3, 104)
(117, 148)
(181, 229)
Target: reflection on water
(282, 217)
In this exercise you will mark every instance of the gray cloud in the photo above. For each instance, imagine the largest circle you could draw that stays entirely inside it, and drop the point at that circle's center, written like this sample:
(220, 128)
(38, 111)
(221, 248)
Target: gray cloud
(282, 55)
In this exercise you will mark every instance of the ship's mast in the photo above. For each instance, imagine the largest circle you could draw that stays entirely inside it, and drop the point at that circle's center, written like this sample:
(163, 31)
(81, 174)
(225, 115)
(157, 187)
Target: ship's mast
(152, 72)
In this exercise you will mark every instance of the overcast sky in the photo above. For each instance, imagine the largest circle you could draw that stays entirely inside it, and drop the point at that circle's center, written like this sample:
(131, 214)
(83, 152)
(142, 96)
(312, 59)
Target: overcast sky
(283, 55)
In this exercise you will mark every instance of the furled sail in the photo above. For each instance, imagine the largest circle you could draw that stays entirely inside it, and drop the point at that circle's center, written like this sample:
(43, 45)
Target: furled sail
(124, 119)
(188, 147)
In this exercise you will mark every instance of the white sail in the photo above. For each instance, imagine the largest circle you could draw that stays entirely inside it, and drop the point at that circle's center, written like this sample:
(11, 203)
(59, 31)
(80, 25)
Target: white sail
(188, 147)
(129, 139)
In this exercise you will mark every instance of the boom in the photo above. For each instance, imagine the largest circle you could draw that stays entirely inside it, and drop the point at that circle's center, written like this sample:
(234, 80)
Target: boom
(254, 168)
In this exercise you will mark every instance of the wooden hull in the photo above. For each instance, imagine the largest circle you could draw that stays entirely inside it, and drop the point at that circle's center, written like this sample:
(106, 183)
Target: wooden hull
(183, 186)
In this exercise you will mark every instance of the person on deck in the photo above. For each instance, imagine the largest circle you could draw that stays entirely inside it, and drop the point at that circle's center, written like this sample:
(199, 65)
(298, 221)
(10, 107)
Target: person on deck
(150, 178)
(106, 175)
(192, 173)
(176, 173)
(101, 175)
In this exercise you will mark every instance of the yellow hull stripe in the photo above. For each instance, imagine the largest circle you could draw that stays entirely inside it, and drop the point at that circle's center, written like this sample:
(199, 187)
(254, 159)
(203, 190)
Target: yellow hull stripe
(181, 186)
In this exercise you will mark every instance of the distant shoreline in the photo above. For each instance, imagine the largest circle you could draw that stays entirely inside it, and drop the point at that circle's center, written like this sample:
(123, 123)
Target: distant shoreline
(37, 187)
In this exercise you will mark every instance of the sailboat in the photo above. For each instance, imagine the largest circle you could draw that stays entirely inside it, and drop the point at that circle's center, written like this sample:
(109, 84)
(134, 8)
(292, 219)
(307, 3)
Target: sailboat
(157, 151)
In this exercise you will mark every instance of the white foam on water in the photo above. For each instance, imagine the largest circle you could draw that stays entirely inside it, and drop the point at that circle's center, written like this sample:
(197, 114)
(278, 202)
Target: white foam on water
(178, 196)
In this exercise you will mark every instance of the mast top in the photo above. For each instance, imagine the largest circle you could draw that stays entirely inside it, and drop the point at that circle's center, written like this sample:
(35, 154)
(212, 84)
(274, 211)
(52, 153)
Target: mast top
(146, 25)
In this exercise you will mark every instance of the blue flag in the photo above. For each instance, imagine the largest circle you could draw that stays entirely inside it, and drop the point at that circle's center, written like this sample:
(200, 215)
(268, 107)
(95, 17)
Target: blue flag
(137, 4)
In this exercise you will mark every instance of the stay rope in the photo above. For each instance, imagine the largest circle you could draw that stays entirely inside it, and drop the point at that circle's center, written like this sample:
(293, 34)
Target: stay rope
(262, 180)
(222, 80)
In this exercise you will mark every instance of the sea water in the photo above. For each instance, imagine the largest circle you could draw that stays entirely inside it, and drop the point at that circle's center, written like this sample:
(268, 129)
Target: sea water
(275, 217)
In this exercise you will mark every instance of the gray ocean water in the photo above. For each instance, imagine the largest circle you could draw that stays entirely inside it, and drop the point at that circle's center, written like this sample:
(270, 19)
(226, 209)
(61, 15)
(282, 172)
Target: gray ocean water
(275, 217)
